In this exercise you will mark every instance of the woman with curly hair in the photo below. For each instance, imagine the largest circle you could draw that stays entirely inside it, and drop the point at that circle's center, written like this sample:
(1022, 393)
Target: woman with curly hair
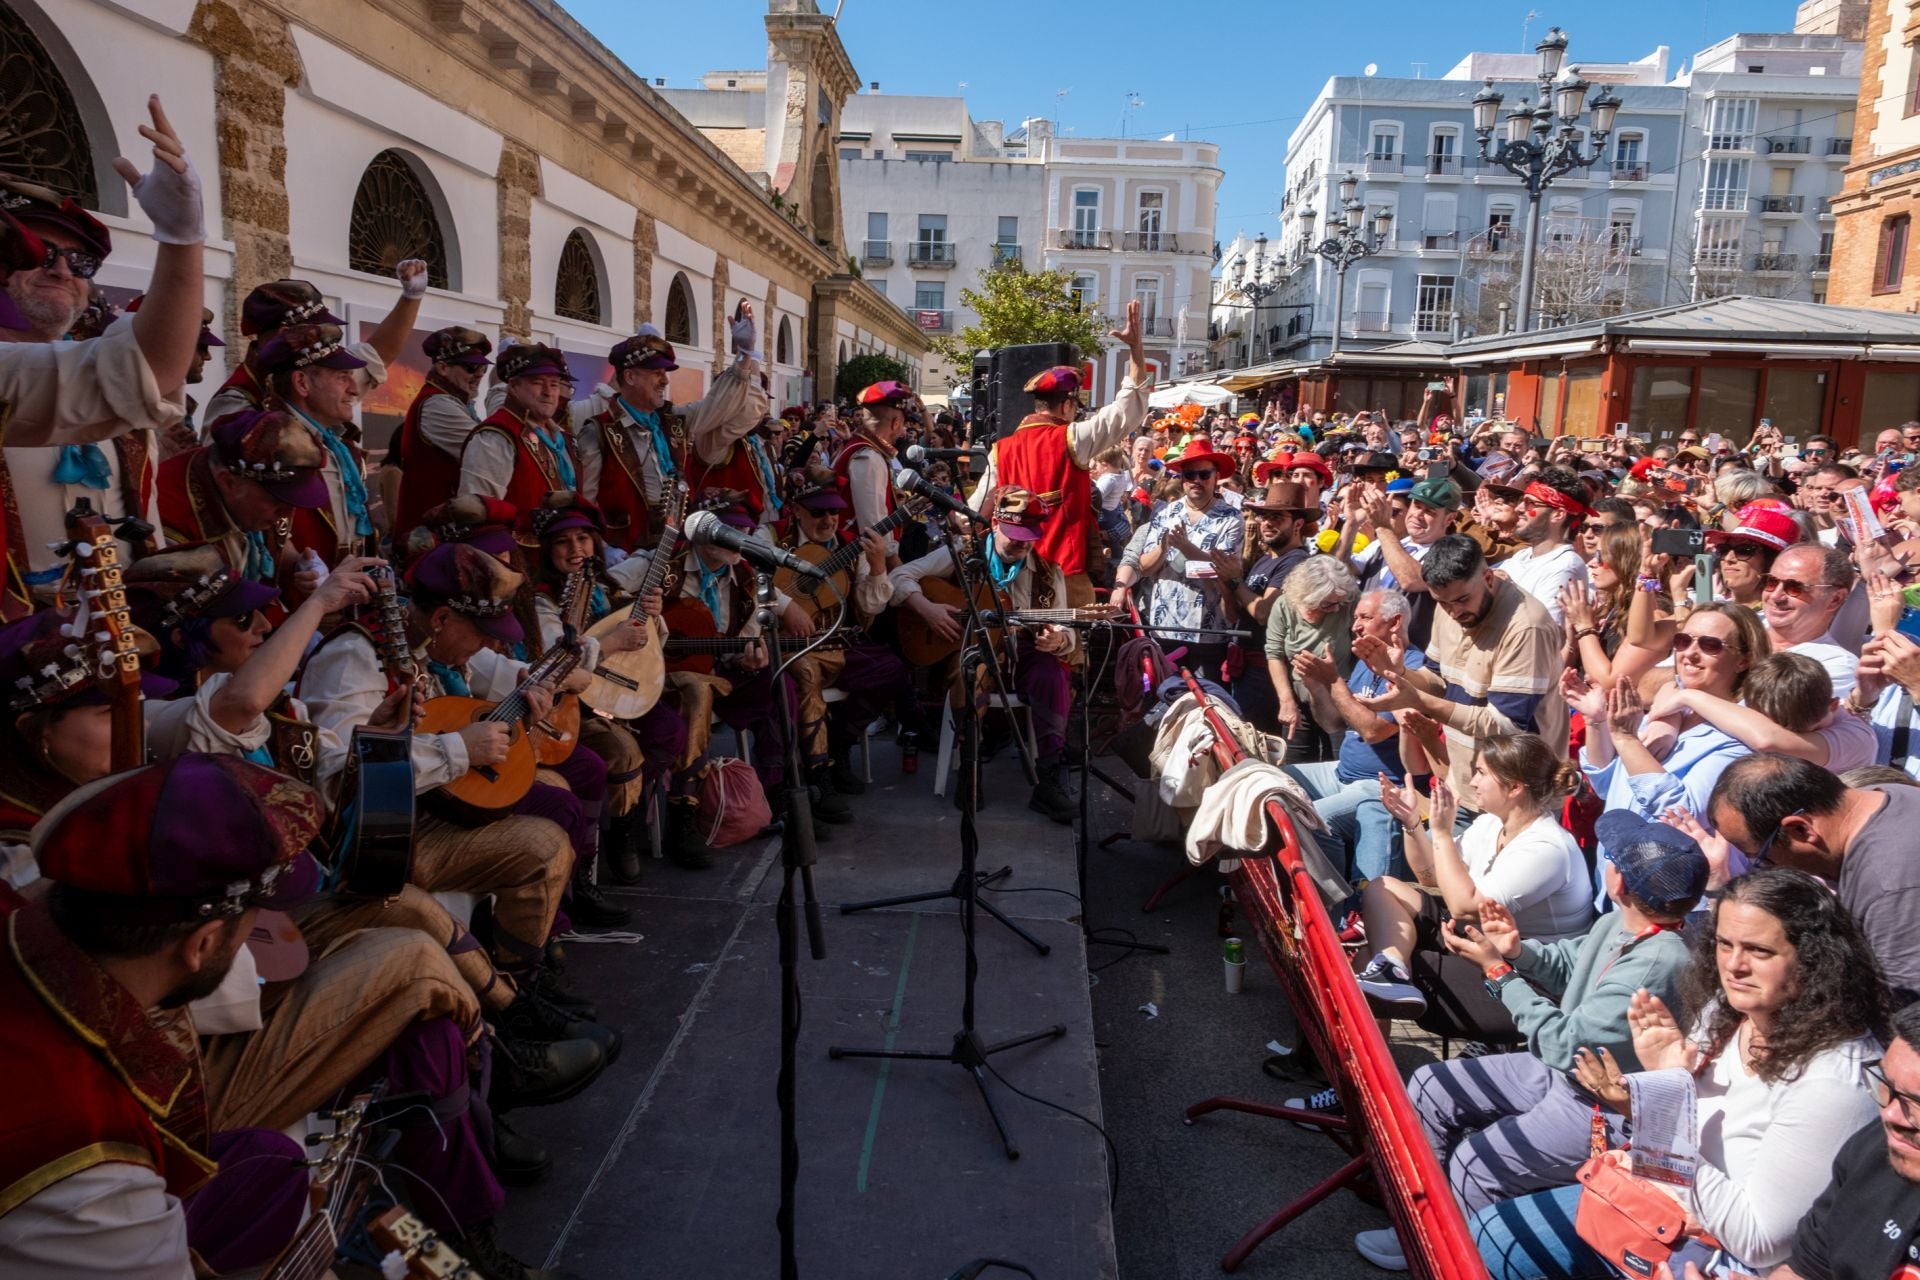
(1793, 1008)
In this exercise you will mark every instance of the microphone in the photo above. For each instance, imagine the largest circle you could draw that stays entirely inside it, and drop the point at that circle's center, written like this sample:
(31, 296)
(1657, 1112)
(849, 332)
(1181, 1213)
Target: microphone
(907, 480)
(705, 529)
(920, 455)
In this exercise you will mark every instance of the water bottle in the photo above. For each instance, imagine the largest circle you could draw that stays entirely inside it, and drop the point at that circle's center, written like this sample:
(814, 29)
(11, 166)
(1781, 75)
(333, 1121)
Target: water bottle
(909, 752)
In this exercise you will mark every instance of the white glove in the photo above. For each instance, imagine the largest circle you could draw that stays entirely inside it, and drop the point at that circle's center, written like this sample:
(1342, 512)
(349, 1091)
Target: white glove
(413, 277)
(171, 200)
(741, 327)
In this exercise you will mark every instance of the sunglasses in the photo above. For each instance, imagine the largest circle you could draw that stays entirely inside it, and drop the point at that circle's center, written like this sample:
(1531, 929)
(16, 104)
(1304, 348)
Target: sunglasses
(1766, 846)
(1710, 646)
(1197, 475)
(81, 263)
(1884, 1093)
(1744, 549)
(1793, 587)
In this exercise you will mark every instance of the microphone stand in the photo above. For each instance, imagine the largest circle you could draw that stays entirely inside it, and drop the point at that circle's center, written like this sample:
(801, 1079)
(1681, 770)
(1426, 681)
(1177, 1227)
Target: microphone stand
(970, 1051)
(972, 572)
(797, 856)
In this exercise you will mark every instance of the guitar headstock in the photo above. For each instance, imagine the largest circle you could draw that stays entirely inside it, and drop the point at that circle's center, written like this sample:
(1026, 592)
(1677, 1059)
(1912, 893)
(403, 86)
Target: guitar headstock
(422, 1251)
(676, 508)
(110, 634)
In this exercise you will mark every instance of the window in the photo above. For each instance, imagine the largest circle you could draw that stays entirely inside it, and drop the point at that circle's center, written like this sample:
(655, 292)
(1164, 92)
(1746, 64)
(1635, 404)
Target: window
(876, 226)
(1009, 232)
(44, 140)
(1726, 185)
(933, 228)
(932, 157)
(929, 295)
(1620, 237)
(1730, 124)
(1153, 207)
(1499, 227)
(576, 286)
(1890, 263)
(849, 153)
(1719, 244)
(1443, 153)
(1433, 304)
(783, 342)
(395, 217)
(1385, 145)
(1629, 158)
(681, 316)
(1086, 219)
(879, 284)
(1146, 292)
(1440, 225)
(1085, 291)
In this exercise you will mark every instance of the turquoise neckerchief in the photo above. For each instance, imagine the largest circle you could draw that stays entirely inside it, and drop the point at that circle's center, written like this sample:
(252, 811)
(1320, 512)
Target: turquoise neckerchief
(562, 462)
(1003, 572)
(597, 603)
(353, 485)
(260, 566)
(83, 464)
(662, 456)
(710, 580)
(452, 679)
(765, 467)
(259, 755)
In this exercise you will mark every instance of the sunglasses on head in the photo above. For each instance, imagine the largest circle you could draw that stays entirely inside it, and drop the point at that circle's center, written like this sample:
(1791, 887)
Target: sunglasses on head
(81, 263)
(1792, 586)
(1710, 646)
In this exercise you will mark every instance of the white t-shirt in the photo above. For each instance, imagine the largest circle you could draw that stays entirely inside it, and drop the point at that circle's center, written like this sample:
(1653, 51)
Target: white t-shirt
(1837, 659)
(1113, 490)
(1540, 876)
(1542, 576)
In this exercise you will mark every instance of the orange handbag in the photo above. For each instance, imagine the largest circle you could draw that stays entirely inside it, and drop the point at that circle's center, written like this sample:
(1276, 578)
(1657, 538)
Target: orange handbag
(1630, 1222)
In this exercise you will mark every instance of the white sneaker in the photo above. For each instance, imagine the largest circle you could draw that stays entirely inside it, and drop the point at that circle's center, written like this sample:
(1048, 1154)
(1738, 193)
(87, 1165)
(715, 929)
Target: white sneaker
(1382, 1249)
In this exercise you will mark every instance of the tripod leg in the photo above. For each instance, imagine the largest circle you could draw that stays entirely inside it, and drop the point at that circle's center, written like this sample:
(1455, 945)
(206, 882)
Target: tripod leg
(1051, 1033)
(1006, 920)
(986, 1096)
(848, 908)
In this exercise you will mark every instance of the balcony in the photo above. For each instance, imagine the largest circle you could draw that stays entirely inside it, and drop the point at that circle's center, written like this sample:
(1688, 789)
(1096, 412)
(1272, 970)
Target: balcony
(1724, 199)
(1004, 253)
(1774, 206)
(1716, 259)
(1776, 263)
(1624, 246)
(1822, 263)
(1799, 146)
(1149, 242)
(1370, 322)
(1629, 171)
(1156, 327)
(1383, 164)
(876, 253)
(1839, 148)
(929, 253)
(1443, 165)
(1448, 241)
(1823, 207)
(1729, 142)
(933, 321)
(1080, 239)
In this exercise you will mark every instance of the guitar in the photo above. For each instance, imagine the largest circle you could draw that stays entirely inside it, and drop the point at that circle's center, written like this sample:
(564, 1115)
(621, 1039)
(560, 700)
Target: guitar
(487, 792)
(425, 1255)
(102, 622)
(834, 565)
(627, 684)
(922, 646)
(559, 733)
(373, 818)
(338, 1191)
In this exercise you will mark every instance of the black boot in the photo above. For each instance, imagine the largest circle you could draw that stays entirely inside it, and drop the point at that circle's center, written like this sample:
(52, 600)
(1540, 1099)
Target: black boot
(841, 774)
(1050, 794)
(547, 983)
(532, 1016)
(684, 845)
(828, 804)
(591, 908)
(489, 1260)
(556, 957)
(620, 853)
(518, 1161)
(526, 1074)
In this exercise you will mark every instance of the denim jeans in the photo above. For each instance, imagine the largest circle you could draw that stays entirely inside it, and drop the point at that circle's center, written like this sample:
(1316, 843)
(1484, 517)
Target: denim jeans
(1532, 1238)
(1352, 811)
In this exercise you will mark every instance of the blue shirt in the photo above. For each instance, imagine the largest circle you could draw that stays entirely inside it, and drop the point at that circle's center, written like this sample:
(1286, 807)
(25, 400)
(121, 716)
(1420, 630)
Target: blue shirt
(1360, 759)
(1699, 757)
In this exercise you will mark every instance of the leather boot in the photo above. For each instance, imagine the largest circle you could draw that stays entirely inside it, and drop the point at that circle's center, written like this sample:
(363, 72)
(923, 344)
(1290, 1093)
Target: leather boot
(828, 804)
(620, 854)
(840, 773)
(591, 908)
(526, 1074)
(684, 846)
(518, 1161)
(547, 983)
(488, 1259)
(1050, 794)
(533, 1017)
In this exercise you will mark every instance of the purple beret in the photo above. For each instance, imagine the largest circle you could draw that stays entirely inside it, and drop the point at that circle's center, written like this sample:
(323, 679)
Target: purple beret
(472, 584)
(276, 451)
(284, 302)
(307, 346)
(643, 351)
(457, 345)
(531, 360)
(42, 208)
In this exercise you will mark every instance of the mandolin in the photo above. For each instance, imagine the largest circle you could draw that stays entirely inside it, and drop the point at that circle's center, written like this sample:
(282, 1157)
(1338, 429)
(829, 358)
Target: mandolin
(627, 684)
(373, 818)
(337, 1193)
(557, 735)
(102, 623)
(487, 792)
(420, 1250)
(834, 564)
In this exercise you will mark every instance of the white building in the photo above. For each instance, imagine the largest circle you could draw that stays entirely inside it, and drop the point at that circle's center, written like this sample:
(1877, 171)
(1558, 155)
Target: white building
(931, 198)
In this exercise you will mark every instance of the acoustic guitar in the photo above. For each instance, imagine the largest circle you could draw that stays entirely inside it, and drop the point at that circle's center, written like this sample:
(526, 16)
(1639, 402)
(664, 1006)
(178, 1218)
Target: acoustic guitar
(338, 1191)
(923, 647)
(696, 642)
(627, 684)
(487, 792)
(557, 735)
(371, 838)
(102, 620)
(836, 564)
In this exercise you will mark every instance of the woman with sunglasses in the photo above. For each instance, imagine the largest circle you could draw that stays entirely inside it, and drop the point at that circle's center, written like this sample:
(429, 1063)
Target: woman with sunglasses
(1598, 629)
(1649, 766)
(1792, 1013)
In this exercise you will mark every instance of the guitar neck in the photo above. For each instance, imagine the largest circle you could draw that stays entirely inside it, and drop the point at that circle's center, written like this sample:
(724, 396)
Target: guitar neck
(843, 557)
(656, 575)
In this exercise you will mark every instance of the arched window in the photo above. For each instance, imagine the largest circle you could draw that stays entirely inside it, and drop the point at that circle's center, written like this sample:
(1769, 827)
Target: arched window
(43, 139)
(843, 351)
(681, 317)
(396, 217)
(576, 287)
(783, 343)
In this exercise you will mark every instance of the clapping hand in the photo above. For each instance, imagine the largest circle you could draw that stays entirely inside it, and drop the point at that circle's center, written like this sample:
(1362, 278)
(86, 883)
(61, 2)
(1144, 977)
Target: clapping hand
(1500, 928)
(1431, 734)
(1380, 657)
(1718, 848)
(1444, 806)
(1314, 668)
(1589, 699)
(1577, 605)
(1625, 711)
(1600, 1076)
(1402, 800)
(1886, 601)
(1470, 944)
(1658, 1041)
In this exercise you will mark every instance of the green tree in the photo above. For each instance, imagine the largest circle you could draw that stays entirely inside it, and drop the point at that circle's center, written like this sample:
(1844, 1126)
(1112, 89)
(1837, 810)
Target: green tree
(1018, 306)
(861, 372)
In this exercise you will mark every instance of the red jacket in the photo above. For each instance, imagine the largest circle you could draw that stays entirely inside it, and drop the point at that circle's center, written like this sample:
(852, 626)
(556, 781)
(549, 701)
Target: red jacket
(1036, 458)
(534, 473)
(429, 475)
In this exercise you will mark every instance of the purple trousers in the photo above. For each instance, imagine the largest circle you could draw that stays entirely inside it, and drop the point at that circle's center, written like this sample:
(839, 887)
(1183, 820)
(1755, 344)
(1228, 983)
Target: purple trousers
(752, 706)
(248, 1211)
(1043, 683)
(442, 1153)
(662, 736)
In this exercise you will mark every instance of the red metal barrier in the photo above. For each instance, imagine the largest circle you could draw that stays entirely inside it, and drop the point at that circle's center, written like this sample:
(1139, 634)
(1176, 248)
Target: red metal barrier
(1379, 1129)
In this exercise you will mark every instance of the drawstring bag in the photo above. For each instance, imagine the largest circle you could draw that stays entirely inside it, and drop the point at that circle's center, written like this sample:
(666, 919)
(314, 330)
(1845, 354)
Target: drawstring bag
(733, 804)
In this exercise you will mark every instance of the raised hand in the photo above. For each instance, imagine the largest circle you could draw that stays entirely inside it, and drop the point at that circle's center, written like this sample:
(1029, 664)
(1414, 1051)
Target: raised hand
(1400, 694)
(1444, 807)
(1577, 605)
(1314, 668)
(742, 330)
(1886, 601)
(1431, 734)
(1131, 334)
(1718, 848)
(1498, 924)
(169, 193)
(1589, 699)
(1401, 800)
(1625, 711)
(1658, 1040)
(412, 274)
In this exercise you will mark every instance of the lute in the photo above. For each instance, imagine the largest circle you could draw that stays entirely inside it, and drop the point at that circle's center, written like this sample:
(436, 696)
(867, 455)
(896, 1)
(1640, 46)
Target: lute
(557, 735)
(104, 627)
(487, 792)
(627, 684)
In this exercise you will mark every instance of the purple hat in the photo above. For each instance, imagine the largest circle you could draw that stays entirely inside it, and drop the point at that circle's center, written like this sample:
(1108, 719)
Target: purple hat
(186, 582)
(1018, 514)
(42, 208)
(276, 451)
(888, 392)
(531, 360)
(475, 519)
(207, 336)
(730, 505)
(41, 666)
(198, 837)
(818, 489)
(1061, 380)
(283, 302)
(306, 346)
(643, 351)
(471, 583)
(559, 511)
(456, 345)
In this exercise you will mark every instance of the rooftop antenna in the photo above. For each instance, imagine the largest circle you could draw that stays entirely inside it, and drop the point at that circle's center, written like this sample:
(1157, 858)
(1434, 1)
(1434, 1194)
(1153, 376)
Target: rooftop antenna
(1526, 28)
(1419, 70)
(1134, 103)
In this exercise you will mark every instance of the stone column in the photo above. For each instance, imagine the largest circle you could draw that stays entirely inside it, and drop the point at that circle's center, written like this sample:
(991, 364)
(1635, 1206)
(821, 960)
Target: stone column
(519, 180)
(721, 355)
(255, 63)
(646, 242)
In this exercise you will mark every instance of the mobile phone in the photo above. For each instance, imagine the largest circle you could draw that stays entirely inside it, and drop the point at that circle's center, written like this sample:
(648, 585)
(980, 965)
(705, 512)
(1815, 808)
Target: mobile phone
(1620, 430)
(1598, 444)
(1679, 542)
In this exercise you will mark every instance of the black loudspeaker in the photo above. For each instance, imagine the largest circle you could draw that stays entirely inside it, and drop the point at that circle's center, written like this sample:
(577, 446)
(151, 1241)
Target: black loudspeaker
(980, 427)
(1005, 399)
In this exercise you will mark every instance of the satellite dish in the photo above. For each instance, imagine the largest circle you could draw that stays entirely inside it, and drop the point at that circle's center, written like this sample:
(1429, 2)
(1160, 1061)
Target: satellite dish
(1372, 67)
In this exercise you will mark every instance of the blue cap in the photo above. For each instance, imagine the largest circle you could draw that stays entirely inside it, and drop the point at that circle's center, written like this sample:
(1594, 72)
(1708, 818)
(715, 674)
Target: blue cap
(1661, 865)
(1403, 485)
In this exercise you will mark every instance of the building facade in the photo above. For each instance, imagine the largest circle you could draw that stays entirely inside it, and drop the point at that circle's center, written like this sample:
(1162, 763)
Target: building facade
(556, 195)
(932, 198)
(1873, 262)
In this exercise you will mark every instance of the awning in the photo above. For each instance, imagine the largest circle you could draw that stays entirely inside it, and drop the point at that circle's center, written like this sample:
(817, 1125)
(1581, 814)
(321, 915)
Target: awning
(1201, 393)
(1256, 375)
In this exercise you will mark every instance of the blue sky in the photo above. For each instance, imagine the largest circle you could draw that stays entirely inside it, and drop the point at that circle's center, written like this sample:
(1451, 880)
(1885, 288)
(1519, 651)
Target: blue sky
(1238, 73)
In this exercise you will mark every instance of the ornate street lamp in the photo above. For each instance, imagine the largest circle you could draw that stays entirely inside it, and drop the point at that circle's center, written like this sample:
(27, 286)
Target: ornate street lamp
(1352, 234)
(1542, 142)
(1261, 283)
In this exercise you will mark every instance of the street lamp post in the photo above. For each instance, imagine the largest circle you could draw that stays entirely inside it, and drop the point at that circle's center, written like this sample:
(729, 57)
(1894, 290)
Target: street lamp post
(1348, 241)
(1259, 285)
(1537, 152)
